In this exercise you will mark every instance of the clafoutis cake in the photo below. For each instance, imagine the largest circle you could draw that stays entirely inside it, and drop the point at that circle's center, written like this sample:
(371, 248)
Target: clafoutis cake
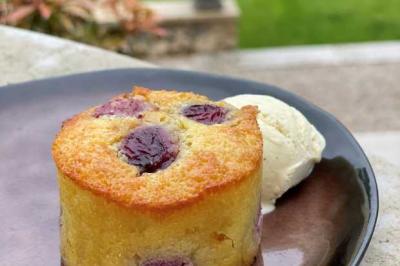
(156, 178)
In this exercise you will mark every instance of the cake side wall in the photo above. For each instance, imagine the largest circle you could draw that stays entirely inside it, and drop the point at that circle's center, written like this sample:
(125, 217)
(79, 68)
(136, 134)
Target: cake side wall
(217, 230)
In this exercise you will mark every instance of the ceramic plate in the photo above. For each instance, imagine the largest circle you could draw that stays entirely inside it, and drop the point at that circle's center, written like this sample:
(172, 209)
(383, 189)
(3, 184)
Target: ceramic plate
(326, 220)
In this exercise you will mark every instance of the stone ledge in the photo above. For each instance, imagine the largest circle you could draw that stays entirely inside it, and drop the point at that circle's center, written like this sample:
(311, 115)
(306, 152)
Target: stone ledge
(177, 11)
(185, 12)
(383, 52)
(188, 30)
(27, 55)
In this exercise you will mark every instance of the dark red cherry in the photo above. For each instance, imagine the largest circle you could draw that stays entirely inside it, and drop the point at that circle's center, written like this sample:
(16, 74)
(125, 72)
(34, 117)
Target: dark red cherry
(150, 148)
(167, 262)
(122, 107)
(205, 113)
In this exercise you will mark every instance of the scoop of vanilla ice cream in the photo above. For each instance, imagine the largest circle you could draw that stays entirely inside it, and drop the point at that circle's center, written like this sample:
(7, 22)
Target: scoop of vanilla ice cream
(291, 145)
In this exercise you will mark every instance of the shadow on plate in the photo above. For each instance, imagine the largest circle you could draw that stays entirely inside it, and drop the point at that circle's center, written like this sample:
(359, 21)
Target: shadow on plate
(318, 222)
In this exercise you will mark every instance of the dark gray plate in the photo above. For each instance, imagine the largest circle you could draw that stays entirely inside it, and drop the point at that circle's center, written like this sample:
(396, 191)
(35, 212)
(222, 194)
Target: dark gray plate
(327, 220)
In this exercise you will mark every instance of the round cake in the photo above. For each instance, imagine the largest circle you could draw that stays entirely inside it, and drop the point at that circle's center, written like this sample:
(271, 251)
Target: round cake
(160, 178)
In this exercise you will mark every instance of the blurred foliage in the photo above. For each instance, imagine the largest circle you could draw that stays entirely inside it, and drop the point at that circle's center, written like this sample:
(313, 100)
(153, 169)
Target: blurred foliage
(292, 22)
(263, 22)
(74, 19)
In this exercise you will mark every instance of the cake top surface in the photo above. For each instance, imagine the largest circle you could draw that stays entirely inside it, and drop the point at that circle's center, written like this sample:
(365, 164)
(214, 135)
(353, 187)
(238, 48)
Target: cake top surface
(159, 150)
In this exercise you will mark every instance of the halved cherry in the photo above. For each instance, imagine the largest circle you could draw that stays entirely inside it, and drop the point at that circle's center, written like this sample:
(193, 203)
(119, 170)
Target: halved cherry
(207, 114)
(122, 107)
(150, 148)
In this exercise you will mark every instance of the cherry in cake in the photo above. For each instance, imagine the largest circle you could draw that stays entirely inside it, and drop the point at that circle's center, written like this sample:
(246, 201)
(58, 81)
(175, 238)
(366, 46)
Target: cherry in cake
(122, 107)
(150, 148)
(207, 114)
(168, 262)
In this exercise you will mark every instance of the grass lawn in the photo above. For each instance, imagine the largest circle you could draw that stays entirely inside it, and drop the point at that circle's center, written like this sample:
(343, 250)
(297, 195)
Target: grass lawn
(291, 22)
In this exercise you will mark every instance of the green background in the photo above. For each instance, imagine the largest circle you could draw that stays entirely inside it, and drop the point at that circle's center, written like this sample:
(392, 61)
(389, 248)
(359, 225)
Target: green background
(293, 22)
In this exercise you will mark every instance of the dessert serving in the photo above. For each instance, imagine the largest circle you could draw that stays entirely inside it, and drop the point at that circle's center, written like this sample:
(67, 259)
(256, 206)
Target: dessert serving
(292, 145)
(160, 178)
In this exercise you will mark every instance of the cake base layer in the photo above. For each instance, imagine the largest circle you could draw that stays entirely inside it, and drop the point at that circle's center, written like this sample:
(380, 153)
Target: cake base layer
(219, 229)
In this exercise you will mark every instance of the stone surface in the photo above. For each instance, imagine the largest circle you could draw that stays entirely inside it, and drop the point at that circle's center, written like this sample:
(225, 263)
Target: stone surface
(295, 56)
(342, 88)
(383, 144)
(310, 55)
(356, 83)
(25, 55)
(184, 39)
(384, 248)
(175, 11)
(187, 29)
(383, 150)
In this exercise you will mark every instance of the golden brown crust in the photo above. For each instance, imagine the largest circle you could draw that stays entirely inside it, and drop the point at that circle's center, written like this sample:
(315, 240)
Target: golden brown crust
(211, 158)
